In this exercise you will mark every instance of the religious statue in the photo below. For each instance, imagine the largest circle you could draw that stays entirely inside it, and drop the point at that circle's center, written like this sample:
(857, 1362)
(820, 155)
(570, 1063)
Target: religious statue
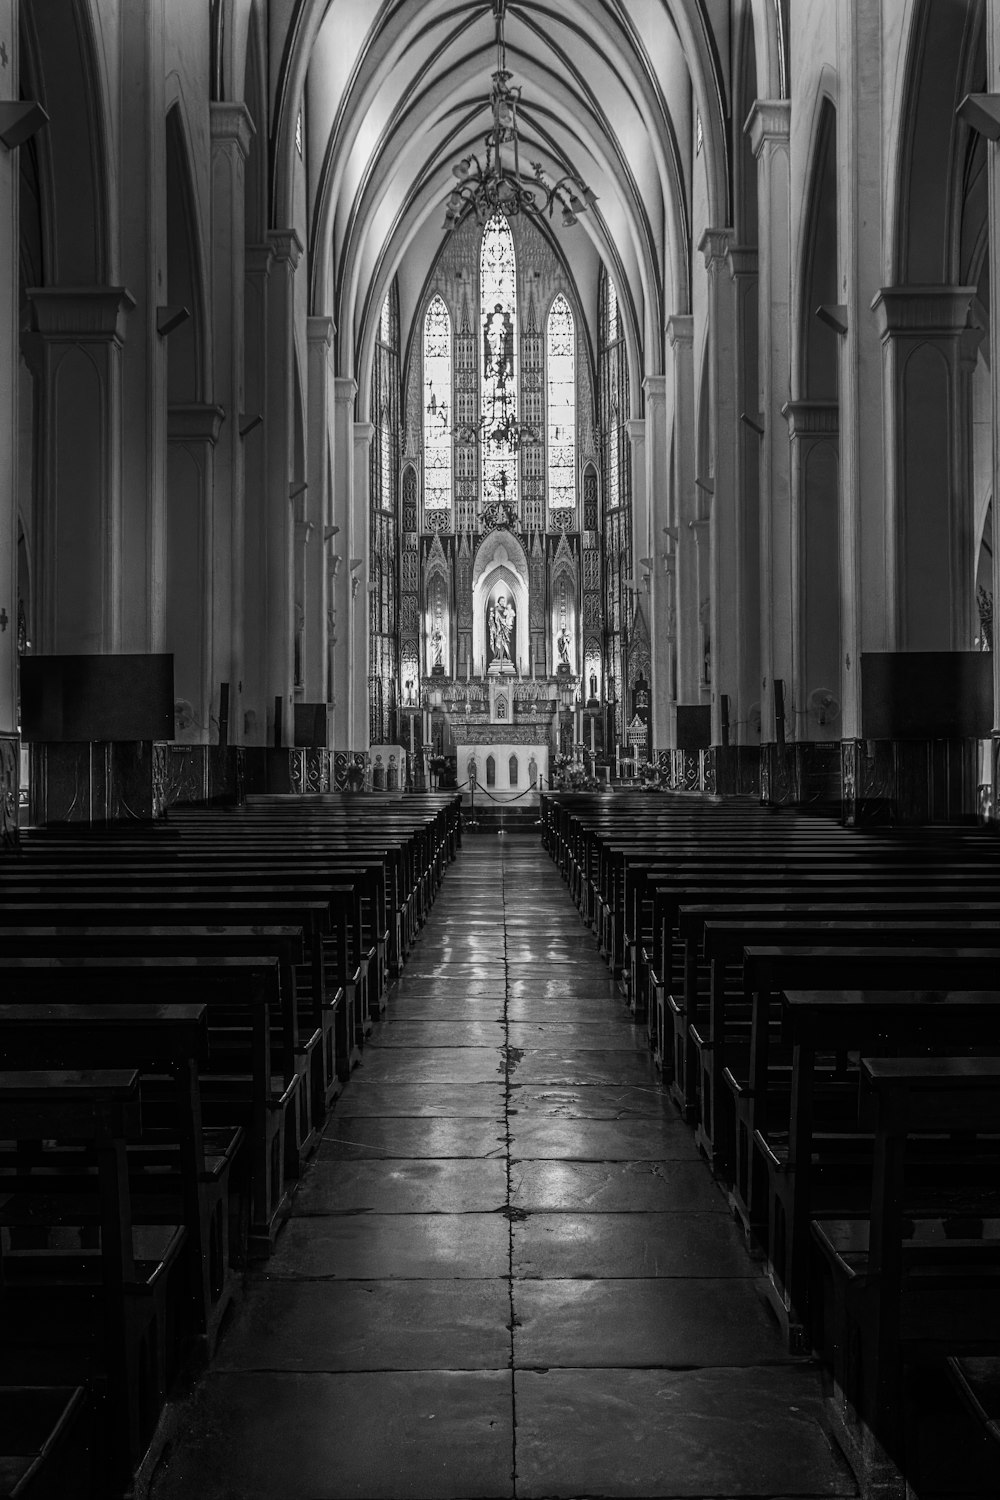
(501, 624)
(437, 645)
(562, 645)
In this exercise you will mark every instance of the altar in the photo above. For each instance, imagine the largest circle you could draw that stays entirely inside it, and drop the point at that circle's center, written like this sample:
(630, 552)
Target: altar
(509, 769)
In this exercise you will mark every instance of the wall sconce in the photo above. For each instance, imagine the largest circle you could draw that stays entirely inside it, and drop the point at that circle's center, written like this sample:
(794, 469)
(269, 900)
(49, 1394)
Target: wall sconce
(169, 318)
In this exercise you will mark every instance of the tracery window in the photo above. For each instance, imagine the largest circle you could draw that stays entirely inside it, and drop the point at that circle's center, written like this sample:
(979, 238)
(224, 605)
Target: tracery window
(498, 280)
(437, 407)
(616, 465)
(383, 597)
(560, 367)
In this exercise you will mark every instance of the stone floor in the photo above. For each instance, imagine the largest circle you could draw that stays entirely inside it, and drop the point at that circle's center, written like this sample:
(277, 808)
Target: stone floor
(507, 1273)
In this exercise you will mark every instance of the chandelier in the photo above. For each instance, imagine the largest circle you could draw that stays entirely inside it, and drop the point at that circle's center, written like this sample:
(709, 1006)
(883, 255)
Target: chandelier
(496, 184)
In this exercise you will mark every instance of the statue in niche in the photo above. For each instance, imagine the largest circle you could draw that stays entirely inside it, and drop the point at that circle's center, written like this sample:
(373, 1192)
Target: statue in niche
(593, 685)
(437, 648)
(501, 626)
(562, 646)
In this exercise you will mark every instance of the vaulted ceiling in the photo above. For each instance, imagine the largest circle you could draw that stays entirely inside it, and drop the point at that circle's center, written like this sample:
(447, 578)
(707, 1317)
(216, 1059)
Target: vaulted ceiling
(396, 93)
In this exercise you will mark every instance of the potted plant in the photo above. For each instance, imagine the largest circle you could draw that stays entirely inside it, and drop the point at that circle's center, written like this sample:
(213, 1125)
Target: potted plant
(355, 777)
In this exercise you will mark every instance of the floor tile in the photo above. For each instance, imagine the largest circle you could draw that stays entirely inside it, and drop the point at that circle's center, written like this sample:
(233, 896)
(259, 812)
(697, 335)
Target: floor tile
(633, 1323)
(365, 1139)
(742, 1432)
(619, 1186)
(591, 1101)
(372, 1325)
(547, 1137)
(629, 1244)
(431, 1065)
(391, 1098)
(368, 1246)
(442, 1186)
(399, 1032)
(427, 1435)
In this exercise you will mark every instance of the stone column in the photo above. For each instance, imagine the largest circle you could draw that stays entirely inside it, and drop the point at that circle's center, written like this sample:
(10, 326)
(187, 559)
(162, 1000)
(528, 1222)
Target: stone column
(993, 168)
(253, 435)
(743, 270)
(928, 466)
(812, 431)
(9, 295)
(139, 77)
(726, 604)
(317, 509)
(866, 616)
(192, 432)
(364, 433)
(232, 130)
(658, 496)
(769, 131)
(680, 335)
(76, 351)
(344, 392)
(287, 251)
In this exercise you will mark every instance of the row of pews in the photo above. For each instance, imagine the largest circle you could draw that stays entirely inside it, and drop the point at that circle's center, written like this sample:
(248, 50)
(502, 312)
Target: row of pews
(824, 1007)
(182, 1005)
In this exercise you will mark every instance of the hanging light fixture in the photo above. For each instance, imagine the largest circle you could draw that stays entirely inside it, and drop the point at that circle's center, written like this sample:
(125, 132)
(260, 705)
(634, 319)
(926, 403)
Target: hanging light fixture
(496, 184)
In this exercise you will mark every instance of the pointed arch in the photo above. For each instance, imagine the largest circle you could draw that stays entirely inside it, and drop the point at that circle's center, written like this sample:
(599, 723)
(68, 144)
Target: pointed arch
(499, 326)
(560, 391)
(437, 404)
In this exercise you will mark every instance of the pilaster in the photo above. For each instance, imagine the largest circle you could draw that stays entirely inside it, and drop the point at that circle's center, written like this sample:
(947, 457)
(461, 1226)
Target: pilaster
(928, 464)
(231, 133)
(742, 262)
(254, 437)
(76, 351)
(286, 249)
(345, 391)
(768, 125)
(687, 625)
(658, 495)
(993, 170)
(721, 590)
(317, 509)
(9, 296)
(192, 433)
(364, 433)
(813, 428)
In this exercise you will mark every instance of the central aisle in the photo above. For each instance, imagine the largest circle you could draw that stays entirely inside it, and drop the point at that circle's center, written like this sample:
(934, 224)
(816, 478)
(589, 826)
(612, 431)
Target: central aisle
(508, 1273)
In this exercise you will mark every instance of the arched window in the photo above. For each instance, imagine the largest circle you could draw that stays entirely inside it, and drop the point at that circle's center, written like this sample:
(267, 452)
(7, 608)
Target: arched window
(383, 539)
(437, 407)
(498, 276)
(560, 373)
(616, 477)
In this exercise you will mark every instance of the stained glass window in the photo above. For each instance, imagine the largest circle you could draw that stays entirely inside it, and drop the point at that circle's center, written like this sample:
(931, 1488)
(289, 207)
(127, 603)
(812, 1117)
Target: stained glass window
(437, 407)
(499, 329)
(383, 598)
(616, 474)
(560, 364)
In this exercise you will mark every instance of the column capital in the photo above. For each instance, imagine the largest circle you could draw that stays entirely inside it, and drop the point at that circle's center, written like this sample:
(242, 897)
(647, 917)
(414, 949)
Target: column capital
(194, 422)
(655, 387)
(345, 388)
(320, 330)
(258, 259)
(714, 245)
(812, 418)
(680, 330)
(80, 314)
(230, 124)
(922, 311)
(768, 123)
(742, 260)
(364, 432)
(286, 246)
(636, 427)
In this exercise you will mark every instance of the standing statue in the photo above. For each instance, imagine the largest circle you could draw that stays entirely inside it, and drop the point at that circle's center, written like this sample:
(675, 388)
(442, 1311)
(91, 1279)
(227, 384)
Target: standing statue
(437, 645)
(562, 646)
(501, 624)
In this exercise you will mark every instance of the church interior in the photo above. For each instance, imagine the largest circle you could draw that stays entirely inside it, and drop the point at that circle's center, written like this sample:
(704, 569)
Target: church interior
(499, 749)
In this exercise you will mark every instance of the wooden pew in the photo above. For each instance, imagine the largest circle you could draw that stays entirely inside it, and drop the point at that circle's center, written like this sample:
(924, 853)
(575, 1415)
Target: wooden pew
(176, 1174)
(45, 1443)
(895, 1290)
(87, 1316)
